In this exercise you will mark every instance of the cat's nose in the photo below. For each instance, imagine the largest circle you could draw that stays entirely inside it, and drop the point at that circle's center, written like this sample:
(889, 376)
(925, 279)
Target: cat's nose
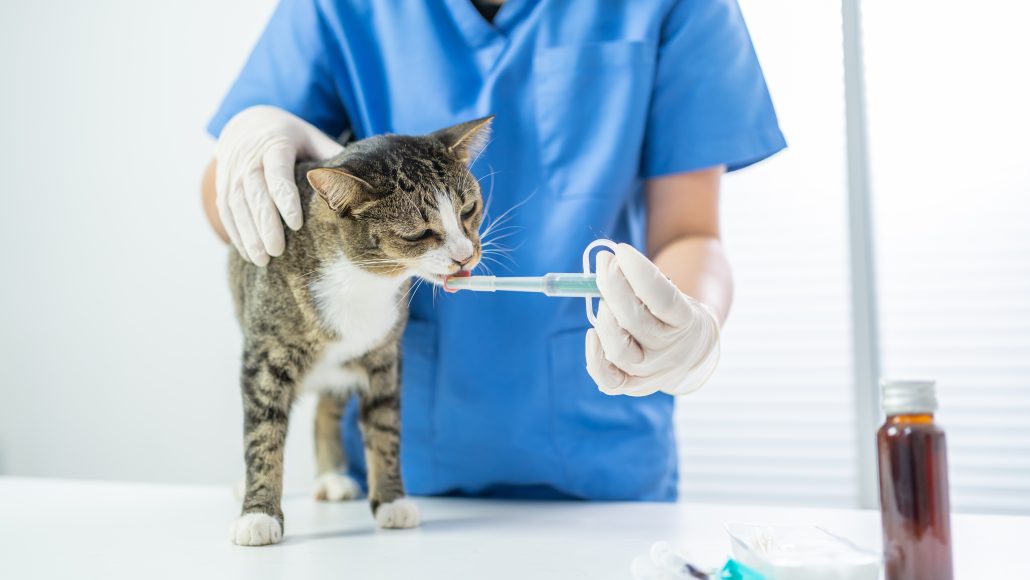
(461, 254)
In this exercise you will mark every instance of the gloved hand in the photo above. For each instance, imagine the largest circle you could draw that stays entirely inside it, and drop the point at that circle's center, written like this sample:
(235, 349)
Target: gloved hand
(649, 336)
(254, 182)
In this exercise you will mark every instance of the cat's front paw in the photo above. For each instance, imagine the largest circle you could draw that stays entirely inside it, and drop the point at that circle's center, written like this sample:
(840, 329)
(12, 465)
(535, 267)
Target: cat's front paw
(256, 529)
(336, 487)
(397, 514)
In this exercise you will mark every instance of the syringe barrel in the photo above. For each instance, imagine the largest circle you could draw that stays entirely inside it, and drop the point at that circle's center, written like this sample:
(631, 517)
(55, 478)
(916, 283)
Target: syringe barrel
(476, 283)
(571, 285)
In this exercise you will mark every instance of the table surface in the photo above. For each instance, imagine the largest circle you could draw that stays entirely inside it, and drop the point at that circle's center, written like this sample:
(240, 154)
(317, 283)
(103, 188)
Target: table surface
(76, 529)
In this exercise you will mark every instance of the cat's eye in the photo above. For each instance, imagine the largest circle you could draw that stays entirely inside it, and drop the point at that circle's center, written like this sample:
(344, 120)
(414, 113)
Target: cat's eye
(426, 234)
(467, 212)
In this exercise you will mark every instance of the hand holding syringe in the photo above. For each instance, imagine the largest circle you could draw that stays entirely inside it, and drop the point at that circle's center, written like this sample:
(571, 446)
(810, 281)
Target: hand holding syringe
(681, 346)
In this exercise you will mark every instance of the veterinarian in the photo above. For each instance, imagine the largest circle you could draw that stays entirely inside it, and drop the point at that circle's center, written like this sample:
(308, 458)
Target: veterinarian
(615, 119)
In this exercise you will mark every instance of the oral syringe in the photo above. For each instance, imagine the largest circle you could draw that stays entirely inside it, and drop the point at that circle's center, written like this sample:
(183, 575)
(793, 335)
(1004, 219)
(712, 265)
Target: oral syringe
(564, 285)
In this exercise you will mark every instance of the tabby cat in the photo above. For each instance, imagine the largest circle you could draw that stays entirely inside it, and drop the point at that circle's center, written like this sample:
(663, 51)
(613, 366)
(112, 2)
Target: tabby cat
(327, 315)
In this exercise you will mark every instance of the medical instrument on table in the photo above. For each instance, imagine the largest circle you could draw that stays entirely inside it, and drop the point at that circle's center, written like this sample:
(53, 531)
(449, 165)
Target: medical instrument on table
(762, 552)
(800, 552)
(913, 465)
(662, 562)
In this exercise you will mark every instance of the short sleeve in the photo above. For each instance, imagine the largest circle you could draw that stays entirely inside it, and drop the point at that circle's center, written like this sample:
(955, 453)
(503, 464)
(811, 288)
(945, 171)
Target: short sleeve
(710, 104)
(290, 68)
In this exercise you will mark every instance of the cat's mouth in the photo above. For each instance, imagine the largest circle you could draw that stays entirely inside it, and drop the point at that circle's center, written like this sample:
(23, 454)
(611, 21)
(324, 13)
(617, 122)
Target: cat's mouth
(459, 274)
(438, 279)
(441, 279)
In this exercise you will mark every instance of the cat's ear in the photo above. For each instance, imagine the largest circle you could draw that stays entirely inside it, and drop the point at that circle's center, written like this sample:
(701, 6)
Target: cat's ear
(466, 140)
(339, 189)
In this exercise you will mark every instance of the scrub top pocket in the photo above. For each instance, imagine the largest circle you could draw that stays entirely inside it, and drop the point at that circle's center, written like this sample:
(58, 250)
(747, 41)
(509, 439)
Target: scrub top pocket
(590, 426)
(591, 111)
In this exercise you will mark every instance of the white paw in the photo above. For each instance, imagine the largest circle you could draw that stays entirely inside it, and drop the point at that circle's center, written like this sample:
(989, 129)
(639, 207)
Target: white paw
(336, 487)
(399, 513)
(256, 529)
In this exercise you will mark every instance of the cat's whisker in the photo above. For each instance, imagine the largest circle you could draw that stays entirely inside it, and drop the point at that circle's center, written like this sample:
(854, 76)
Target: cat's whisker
(495, 247)
(503, 237)
(500, 255)
(513, 208)
(490, 194)
(495, 243)
(485, 268)
(379, 262)
(498, 251)
(435, 288)
(409, 294)
(369, 262)
(508, 230)
(495, 261)
(419, 283)
(501, 218)
(480, 153)
(489, 197)
(404, 295)
(492, 259)
(497, 228)
(493, 228)
(491, 174)
(492, 182)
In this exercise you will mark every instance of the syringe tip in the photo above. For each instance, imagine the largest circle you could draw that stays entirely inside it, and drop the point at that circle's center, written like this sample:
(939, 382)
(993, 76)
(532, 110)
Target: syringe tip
(461, 274)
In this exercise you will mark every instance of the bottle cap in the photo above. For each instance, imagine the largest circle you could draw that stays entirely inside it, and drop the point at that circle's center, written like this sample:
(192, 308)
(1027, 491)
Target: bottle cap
(900, 397)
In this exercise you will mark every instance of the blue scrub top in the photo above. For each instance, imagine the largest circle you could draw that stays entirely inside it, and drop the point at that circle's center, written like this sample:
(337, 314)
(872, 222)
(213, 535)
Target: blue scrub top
(591, 99)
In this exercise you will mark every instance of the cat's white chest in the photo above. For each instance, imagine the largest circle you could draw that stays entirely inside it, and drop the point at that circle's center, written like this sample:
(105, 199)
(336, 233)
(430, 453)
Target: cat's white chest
(361, 309)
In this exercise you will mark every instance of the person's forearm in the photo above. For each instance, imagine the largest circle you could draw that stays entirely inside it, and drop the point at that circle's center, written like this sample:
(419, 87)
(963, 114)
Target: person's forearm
(683, 236)
(207, 193)
(698, 266)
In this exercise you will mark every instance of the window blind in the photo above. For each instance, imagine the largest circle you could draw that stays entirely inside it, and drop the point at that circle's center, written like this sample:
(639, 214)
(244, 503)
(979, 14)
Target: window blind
(775, 425)
(950, 169)
(951, 183)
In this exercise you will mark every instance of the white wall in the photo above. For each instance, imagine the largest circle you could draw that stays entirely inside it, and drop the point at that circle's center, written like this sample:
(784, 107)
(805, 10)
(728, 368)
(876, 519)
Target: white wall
(119, 350)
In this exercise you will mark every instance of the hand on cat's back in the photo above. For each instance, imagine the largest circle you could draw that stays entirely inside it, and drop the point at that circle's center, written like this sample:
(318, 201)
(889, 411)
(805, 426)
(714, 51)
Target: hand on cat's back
(254, 182)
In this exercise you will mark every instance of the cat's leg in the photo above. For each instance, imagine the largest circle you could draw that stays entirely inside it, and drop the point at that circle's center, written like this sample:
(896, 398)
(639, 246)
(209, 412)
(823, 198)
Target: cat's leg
(380, 425)
(268, 383)
(332, 483)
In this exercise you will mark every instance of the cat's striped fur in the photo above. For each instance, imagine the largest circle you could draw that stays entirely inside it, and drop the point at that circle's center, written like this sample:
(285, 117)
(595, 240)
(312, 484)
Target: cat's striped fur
(328, 314)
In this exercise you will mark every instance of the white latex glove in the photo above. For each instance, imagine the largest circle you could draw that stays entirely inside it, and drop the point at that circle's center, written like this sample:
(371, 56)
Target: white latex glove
(649, 336)
(254, 182)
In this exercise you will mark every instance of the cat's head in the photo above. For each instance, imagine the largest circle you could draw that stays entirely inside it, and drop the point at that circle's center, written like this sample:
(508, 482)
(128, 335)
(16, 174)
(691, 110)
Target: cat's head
(409, 205)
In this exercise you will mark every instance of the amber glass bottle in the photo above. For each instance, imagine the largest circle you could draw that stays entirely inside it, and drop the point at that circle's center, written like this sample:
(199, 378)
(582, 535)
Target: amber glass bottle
(913, 484)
